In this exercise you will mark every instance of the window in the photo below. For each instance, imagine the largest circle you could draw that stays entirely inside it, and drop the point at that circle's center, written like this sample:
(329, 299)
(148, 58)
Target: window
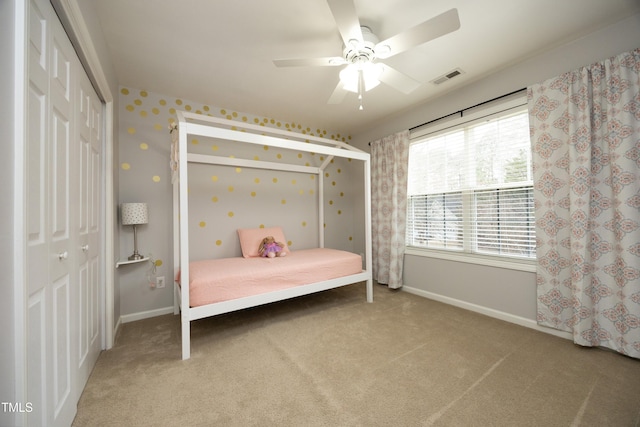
(471, 188)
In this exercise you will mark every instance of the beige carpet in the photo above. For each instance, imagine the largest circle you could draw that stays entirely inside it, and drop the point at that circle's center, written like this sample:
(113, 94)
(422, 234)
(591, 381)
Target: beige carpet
(331, 359)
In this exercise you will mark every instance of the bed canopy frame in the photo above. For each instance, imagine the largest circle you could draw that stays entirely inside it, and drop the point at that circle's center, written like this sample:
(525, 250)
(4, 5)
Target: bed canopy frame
(191, 124)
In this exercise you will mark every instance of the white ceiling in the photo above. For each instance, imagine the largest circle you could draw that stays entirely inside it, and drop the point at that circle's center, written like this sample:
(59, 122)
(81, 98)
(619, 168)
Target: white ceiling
(220, 53)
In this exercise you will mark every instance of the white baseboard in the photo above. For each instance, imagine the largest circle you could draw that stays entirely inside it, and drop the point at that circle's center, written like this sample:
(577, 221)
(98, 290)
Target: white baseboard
(507, 317)
(116, 329)
(146, 314)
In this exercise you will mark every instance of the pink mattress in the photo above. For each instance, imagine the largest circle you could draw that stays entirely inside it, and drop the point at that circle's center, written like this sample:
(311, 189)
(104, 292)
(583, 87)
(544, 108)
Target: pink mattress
(224, 279)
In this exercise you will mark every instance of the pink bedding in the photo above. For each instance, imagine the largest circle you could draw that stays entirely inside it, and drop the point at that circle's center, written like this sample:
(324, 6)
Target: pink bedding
(224, 279)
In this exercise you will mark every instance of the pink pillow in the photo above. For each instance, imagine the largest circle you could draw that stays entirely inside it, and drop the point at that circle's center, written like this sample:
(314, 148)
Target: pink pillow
(250, 239)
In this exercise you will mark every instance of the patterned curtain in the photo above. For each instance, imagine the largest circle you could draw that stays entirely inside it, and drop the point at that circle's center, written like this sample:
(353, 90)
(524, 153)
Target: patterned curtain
(389, 167)
(585, 133)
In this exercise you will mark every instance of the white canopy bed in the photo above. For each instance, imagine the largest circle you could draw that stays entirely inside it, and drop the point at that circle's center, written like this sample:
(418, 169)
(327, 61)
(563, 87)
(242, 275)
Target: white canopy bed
(224, 285)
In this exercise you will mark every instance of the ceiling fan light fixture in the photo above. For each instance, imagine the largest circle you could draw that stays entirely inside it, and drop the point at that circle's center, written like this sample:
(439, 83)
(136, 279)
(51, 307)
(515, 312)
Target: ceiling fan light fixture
(350, 76)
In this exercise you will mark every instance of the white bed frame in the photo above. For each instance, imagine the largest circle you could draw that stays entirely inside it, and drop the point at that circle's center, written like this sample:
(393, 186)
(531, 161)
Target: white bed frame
(190, 124)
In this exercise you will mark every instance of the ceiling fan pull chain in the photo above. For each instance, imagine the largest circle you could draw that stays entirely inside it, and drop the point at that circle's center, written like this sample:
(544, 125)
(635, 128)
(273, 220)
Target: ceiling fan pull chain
(360, 87)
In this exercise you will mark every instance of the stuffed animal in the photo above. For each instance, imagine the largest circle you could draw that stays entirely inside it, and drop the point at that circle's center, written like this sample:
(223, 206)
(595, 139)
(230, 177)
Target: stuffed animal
(270, 248)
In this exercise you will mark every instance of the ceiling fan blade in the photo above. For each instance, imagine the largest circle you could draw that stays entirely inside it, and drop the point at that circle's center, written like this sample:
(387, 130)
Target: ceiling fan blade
(442, 24)
(398, 80)
(338, 94)
(344, 13)
(330, 61)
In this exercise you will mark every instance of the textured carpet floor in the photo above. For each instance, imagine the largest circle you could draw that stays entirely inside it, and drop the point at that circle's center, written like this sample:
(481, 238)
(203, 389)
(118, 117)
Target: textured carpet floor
(331, 359)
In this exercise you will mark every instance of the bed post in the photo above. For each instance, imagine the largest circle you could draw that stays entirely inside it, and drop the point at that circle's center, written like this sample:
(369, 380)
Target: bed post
(323, 166)
(183, 221)
(176, 246)
(367, 231)
(320, 210)
(175, 182)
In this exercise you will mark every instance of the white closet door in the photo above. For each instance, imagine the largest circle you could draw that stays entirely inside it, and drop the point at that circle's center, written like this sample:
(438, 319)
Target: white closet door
(63, 271)
(89, 130)
(63, 164)
(37, 239)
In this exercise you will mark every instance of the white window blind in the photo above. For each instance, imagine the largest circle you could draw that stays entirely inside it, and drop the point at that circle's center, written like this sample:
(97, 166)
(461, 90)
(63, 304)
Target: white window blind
(471, 190)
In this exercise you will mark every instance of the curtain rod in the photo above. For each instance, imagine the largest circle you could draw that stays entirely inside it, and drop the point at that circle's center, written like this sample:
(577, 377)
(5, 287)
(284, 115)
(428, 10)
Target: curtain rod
(461, 112)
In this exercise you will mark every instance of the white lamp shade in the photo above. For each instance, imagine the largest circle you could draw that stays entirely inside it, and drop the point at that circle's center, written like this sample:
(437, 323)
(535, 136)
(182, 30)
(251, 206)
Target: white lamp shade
(134, 213)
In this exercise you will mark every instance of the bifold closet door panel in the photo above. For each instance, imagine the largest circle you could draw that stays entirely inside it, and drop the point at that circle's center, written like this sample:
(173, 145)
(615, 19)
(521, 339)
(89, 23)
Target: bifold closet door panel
(89, 160)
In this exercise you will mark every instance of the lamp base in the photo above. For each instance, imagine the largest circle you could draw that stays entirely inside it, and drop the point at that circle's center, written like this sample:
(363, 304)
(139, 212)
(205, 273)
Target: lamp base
(136, 255)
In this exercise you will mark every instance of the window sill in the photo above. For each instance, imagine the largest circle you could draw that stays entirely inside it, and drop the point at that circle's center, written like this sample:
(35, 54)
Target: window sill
(508, 263)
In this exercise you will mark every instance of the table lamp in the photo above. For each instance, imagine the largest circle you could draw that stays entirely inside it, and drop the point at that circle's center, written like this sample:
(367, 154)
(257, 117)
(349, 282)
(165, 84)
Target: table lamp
(134, 214)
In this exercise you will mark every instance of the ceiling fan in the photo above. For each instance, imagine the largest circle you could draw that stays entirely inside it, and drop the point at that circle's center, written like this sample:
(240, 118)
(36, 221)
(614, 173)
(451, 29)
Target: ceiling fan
(362, 50)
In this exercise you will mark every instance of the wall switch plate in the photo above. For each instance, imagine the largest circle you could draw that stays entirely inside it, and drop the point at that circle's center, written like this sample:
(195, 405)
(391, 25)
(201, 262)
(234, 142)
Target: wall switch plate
(160, 282)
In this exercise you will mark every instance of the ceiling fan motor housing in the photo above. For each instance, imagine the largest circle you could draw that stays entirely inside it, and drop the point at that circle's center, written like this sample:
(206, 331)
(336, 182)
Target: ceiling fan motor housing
(361, 51)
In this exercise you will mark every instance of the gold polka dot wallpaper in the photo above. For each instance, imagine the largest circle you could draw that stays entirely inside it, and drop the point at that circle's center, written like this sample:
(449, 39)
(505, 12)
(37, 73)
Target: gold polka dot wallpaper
(224, 198)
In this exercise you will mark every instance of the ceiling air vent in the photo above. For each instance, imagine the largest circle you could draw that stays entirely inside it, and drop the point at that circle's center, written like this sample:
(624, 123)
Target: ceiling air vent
(448, 76)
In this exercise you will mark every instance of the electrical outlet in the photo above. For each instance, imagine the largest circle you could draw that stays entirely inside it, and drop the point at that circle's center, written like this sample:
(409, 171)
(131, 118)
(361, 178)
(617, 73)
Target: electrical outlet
(160, 282)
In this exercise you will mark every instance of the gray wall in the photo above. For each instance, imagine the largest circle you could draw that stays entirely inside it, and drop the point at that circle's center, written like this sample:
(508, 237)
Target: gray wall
(221, 199)
(507, 291)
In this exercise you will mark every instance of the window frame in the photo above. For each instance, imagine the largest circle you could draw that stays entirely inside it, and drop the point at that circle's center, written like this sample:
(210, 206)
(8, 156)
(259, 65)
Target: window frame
(484, 112)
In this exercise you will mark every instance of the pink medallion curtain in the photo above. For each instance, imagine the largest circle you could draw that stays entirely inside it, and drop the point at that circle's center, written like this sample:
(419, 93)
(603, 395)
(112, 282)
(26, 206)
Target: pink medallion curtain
(585, 133)
(389, 168)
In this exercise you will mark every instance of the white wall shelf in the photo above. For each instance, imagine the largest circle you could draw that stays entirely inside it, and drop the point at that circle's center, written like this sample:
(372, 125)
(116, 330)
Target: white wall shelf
(135, 261)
